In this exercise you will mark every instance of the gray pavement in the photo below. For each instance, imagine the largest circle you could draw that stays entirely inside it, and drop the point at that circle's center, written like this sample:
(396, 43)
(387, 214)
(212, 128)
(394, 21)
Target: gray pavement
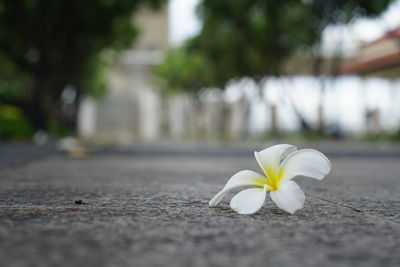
(147, 206)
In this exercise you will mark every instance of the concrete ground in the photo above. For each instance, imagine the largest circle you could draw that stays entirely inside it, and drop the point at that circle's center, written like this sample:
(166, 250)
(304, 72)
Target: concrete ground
(147, 206)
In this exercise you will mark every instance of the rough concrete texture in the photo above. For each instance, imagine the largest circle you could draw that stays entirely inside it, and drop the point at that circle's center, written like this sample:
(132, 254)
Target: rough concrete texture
(150, 209)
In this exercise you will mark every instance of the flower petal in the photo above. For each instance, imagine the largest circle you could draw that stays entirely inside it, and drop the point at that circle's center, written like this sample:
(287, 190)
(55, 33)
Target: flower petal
(270, 158)
(248, 201)
(289, 197)
(306, 162)
(240, 179)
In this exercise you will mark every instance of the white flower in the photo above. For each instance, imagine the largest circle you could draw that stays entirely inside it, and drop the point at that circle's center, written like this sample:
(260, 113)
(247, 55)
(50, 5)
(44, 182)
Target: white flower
(280, 164)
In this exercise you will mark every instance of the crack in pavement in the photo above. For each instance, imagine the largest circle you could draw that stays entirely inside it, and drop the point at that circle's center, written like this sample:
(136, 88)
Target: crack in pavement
(355, 209)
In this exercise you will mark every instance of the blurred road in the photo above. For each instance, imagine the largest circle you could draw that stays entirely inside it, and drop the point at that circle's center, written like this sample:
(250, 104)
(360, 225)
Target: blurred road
(147, 206)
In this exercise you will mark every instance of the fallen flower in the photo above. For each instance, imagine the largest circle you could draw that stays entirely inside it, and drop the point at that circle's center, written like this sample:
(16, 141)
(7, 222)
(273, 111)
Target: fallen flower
(280, 164)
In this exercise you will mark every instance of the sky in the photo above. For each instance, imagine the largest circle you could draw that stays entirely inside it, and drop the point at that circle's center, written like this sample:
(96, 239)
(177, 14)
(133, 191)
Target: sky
(182, 20)
(184, 24)
(370, 29)
(361, 31)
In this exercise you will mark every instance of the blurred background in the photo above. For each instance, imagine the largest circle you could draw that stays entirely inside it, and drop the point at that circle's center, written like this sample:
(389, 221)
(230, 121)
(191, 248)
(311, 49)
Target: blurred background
(125, 71)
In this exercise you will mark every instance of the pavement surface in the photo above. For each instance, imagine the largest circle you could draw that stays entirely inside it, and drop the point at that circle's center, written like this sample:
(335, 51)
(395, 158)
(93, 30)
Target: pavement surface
(147, 206)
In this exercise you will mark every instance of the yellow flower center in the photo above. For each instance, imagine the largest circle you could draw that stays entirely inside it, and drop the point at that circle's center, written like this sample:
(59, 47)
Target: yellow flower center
(274, 176)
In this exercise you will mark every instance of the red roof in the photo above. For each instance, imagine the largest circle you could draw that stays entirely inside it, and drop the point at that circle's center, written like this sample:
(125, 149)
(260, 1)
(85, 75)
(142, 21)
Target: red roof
(377, 55)
(393, 34)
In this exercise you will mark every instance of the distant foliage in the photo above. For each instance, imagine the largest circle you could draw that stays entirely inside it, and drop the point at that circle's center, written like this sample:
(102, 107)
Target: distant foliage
(253, 38)
(13, 125)
(187, 71)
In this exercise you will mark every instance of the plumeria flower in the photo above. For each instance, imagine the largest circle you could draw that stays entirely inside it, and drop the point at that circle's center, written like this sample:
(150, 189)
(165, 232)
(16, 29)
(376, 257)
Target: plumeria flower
(280, 164)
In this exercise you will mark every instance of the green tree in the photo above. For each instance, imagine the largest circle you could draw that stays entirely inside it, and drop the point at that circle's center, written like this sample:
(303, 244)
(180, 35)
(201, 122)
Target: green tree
(184, 71)
(47, 46)
(253, 38)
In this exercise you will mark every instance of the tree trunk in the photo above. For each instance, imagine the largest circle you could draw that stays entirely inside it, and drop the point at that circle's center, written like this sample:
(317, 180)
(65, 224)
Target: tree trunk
(304, 124)
(271, 109)
(38, 115)
(317, 69)
(73, 125)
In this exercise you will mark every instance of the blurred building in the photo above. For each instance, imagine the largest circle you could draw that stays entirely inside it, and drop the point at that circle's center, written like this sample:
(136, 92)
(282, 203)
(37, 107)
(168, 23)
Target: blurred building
(378, 58)
(132, 106)
(307, 63)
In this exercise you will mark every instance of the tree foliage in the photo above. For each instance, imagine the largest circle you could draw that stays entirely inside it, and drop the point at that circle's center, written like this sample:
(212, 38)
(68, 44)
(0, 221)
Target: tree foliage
(46, 45)
(254, 37)
(184, 71)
